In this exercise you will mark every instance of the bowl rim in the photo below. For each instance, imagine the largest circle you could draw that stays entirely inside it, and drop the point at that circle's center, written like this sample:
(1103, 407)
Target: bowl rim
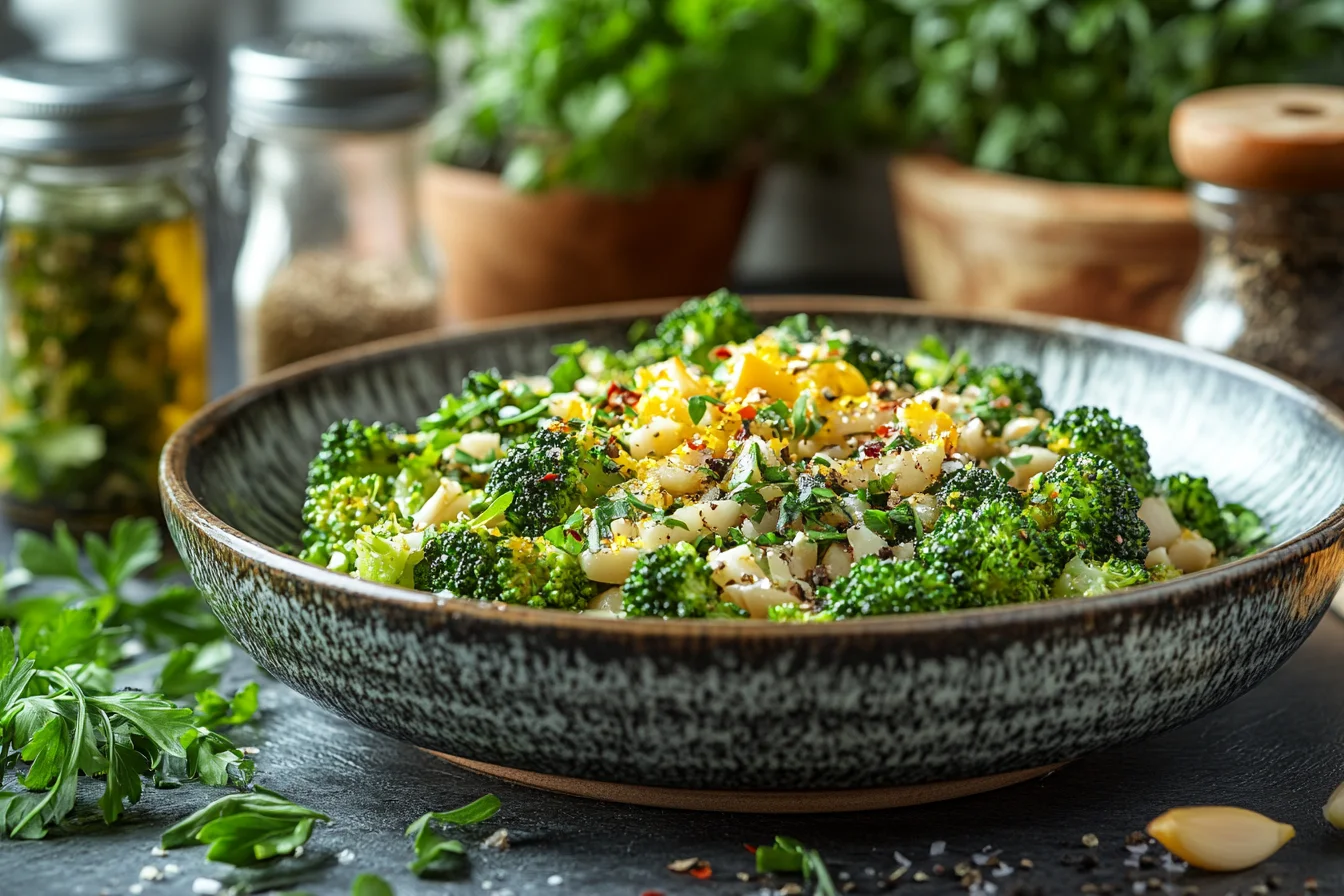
(179, 498)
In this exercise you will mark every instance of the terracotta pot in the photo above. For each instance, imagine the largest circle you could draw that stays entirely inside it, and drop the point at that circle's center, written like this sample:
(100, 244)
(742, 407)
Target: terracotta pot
(507, 252)
(974, 238)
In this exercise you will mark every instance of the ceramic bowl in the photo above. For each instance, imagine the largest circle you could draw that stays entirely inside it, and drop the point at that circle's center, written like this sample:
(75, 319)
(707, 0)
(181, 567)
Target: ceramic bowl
(758, 715)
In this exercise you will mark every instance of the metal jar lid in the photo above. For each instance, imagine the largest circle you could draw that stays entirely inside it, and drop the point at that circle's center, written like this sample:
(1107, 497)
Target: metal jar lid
(88, 112)
(331, 81)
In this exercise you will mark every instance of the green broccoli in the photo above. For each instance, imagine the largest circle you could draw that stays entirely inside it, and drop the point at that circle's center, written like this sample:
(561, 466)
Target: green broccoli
(352, 448)
(551, 474)
(386, 553)
(876, 587)
(1098, 431)
(1246, 532)
(353, 482)
(1087, 578)
(536, 573)
(460, 559)
(1006, 392)
(969, 487)
(875, 362)
(335, 511)
(672, 581)
(696, 328)
(993, 555)
(1089, 507)
(1193, 504)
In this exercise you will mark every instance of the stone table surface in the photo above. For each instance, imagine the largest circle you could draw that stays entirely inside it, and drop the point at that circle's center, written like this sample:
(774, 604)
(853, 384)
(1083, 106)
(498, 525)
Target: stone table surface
(1278, 750)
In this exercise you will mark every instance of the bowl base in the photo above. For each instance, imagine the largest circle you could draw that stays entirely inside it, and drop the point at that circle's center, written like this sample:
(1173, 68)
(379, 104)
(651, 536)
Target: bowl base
(756, 801)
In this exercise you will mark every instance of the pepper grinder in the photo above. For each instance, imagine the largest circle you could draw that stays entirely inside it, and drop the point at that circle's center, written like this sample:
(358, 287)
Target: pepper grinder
(1266, 166)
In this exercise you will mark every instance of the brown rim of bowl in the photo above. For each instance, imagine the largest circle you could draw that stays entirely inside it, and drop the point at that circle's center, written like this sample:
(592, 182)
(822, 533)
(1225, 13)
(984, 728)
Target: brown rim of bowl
(172, 471)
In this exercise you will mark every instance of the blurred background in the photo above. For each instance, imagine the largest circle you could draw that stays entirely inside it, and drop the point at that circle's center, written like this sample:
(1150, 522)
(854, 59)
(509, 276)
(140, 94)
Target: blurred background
(402, 164)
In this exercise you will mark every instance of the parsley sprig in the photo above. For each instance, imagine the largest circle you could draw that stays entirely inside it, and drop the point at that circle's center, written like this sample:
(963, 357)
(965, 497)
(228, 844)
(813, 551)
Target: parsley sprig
(63, 713)
(437, 856)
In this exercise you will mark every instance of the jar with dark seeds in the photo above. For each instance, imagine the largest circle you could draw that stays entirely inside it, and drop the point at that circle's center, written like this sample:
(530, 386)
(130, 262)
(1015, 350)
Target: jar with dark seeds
(1267, 171)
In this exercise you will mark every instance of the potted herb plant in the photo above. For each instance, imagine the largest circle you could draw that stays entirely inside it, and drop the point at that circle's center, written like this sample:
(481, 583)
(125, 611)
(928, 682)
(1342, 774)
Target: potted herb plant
(605, 150)
(1055, 190)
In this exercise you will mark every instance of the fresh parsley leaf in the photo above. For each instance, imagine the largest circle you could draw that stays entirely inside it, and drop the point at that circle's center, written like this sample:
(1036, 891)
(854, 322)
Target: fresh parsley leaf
(697, 405)
(370, 885)
(215, 710)
(437, 856)
(245, 828)
(787, 856)
(193, 668)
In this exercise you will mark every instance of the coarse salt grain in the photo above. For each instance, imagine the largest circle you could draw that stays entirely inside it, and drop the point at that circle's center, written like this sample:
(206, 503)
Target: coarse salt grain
(1003, 869)
(345, 856)
(206, 886)
(938, 848)
(901, 860)
(487, 885)
(136, 889)
(171, 870)
(555, 880)
(149, 872)
(158, 852)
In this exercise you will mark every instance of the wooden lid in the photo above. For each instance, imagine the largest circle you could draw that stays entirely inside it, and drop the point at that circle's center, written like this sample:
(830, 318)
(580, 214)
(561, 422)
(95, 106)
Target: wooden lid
(1286, 137)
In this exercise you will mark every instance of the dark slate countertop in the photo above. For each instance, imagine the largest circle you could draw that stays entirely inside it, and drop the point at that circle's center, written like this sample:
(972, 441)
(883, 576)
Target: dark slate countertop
(1278, 750)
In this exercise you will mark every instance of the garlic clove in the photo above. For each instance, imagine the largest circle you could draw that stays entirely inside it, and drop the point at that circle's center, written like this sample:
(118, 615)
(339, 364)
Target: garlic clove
(1334, 808)
(1219, 838)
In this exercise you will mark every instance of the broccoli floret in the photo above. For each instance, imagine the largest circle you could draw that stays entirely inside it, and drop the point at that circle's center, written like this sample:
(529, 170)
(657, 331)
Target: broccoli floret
(1006, 392)
(536, 573)
(875, 362)
(797, 613)
(385, 553)
(876, 587)
(671, 581)
(551, 474)
(969, 487)
(1193, 504)
(993, 554)
(1245, 530)
(1086, 578)
(1089, 507)
(1098, 431)
(352, 448)
(696, 328)
(355, 481)
(460, 559)
(335, 512)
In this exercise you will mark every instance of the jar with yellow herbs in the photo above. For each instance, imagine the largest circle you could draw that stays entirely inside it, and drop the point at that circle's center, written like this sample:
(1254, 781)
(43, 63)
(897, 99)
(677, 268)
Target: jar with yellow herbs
(1267, 169)
(323, 161)
(102, 283)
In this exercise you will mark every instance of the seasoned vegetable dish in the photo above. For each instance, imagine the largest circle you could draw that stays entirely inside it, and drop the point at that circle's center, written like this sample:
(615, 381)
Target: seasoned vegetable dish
(798, 473)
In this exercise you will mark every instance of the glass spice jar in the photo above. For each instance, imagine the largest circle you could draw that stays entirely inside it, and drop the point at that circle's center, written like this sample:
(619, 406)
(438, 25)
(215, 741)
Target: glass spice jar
(1267, 169)
(324, 157)
(102, 283)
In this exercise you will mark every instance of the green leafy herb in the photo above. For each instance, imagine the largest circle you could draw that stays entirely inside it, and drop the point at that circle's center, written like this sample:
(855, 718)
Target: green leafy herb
(697, 405)
(370, 885)
(437, 856)
(787, 856)
(245, 828)
(193, 668)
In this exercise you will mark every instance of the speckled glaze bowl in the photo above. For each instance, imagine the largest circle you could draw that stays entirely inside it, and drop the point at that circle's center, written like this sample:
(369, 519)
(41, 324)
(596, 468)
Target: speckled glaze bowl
(757, 715)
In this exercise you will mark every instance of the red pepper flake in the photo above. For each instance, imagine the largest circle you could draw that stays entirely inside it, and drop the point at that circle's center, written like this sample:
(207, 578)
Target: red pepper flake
(748, 414)
(749, 848)
(871, 449)
(652, 893)
(549, 477)
(886, 430)
(702, 871)
(695, 443)
(722, 352)
(618, 396)
(574, 534)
